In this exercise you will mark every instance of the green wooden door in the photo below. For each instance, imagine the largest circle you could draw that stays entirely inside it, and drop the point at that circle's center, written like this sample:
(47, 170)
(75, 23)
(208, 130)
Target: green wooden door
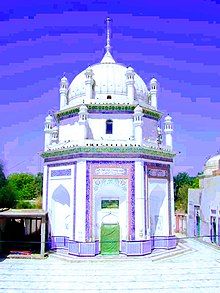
(110, 237)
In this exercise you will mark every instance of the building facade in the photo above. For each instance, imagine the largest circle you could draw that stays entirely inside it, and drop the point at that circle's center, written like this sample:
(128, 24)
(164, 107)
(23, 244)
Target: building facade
(181, 222)
(204, 204)
(108, 184)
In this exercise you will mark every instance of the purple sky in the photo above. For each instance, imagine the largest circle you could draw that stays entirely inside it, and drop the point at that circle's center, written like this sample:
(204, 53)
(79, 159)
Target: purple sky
(177, 43)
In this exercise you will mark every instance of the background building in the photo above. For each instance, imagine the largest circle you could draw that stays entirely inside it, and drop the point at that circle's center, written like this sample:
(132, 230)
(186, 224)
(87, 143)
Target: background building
(204, 204)
(108, 184)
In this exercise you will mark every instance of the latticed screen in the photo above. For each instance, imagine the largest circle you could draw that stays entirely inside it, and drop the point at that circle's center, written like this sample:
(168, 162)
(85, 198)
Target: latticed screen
(110, 204)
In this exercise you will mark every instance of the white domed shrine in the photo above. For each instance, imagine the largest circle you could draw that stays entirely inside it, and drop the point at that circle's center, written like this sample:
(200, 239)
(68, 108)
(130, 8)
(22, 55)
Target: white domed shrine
(212, 164)
(108, 185)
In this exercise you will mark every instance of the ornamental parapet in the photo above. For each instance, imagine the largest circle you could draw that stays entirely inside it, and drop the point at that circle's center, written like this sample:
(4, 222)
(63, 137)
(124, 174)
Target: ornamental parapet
(120, 150)
(107, 108)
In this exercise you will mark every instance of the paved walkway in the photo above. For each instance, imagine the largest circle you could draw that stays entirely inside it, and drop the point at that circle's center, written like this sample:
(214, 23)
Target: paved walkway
(194, 270)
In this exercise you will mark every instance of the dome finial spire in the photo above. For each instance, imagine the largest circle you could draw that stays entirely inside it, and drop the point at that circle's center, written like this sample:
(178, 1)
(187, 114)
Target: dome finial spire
(108, 46)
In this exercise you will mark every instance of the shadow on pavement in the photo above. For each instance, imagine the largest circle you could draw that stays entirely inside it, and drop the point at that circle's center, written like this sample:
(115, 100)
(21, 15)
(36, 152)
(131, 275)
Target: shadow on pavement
(2, 257)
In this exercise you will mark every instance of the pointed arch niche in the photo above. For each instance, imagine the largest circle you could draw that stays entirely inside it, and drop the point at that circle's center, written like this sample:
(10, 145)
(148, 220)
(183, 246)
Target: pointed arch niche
(60, 211)
(158, 195)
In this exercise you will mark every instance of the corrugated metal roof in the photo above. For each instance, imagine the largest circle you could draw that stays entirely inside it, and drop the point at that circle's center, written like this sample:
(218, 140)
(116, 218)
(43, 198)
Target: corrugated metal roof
(22, 213)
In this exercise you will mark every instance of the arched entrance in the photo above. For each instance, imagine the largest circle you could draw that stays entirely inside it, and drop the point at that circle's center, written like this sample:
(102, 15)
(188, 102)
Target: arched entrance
(110, 236)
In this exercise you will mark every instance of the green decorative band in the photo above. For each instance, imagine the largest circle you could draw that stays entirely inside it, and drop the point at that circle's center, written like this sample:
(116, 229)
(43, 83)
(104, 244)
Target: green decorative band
(105, 149)
(107, 108)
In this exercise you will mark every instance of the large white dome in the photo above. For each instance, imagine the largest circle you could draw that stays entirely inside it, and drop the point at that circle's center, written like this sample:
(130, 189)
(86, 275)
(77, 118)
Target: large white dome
(109, 79)
(213, 164)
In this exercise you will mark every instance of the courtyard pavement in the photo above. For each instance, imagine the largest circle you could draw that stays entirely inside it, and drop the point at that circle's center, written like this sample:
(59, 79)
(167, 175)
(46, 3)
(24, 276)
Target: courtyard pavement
(193, 267)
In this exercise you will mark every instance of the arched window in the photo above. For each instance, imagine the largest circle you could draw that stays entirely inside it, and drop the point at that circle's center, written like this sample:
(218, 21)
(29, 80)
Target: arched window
(109, 127)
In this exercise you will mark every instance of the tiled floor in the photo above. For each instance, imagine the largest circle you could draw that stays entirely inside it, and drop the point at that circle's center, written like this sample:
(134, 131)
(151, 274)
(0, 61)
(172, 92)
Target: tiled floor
(194, 270)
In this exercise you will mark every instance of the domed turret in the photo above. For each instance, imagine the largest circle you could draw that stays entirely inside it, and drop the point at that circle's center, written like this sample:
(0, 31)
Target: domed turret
(83, 116)
(168, 129)
(153, 83)
(130, 73)
(63, 92)
(130, 83)
(48, 121)
(168, 119)
(89, 73)
(153, 92)
(83, 112)
(138, 110)
(48, 130)
(138, 123)
(89, 84)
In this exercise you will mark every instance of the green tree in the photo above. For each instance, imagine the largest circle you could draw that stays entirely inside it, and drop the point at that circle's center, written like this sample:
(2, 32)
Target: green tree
(181, 179)
(182, 182)
(182, 201)
(7, 195)
(38, 190)
(194, 182)
(39, 184)
(23, 185)
(2, 176)
(27, 187)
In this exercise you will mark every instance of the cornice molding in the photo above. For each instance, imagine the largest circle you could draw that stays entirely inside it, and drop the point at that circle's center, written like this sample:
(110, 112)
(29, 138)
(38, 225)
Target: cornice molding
(107, 108)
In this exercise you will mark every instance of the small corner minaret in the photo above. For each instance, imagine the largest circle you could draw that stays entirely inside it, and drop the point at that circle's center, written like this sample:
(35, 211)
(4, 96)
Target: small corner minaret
(130, 84)
(89, 84)
(48, 130)
(153, 92)
(138, 123)
(63, 92)
(83, 116)
(168, 129)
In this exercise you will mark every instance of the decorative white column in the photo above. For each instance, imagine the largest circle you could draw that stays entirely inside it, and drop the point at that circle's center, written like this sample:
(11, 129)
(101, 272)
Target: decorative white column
(45, 182)
(130, 84)
(138, 123)
(80, 215)
(71, 231)
(139, 202)
(148, 213)
(42, 236)
(153, 92)
(63, 92)
(172, 210)
(168, 129)
(83, 123)
(89, 84)
(48, 130)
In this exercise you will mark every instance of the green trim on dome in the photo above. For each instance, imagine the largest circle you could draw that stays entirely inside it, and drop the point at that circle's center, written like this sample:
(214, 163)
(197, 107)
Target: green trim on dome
(108, 149)
(107, 107)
